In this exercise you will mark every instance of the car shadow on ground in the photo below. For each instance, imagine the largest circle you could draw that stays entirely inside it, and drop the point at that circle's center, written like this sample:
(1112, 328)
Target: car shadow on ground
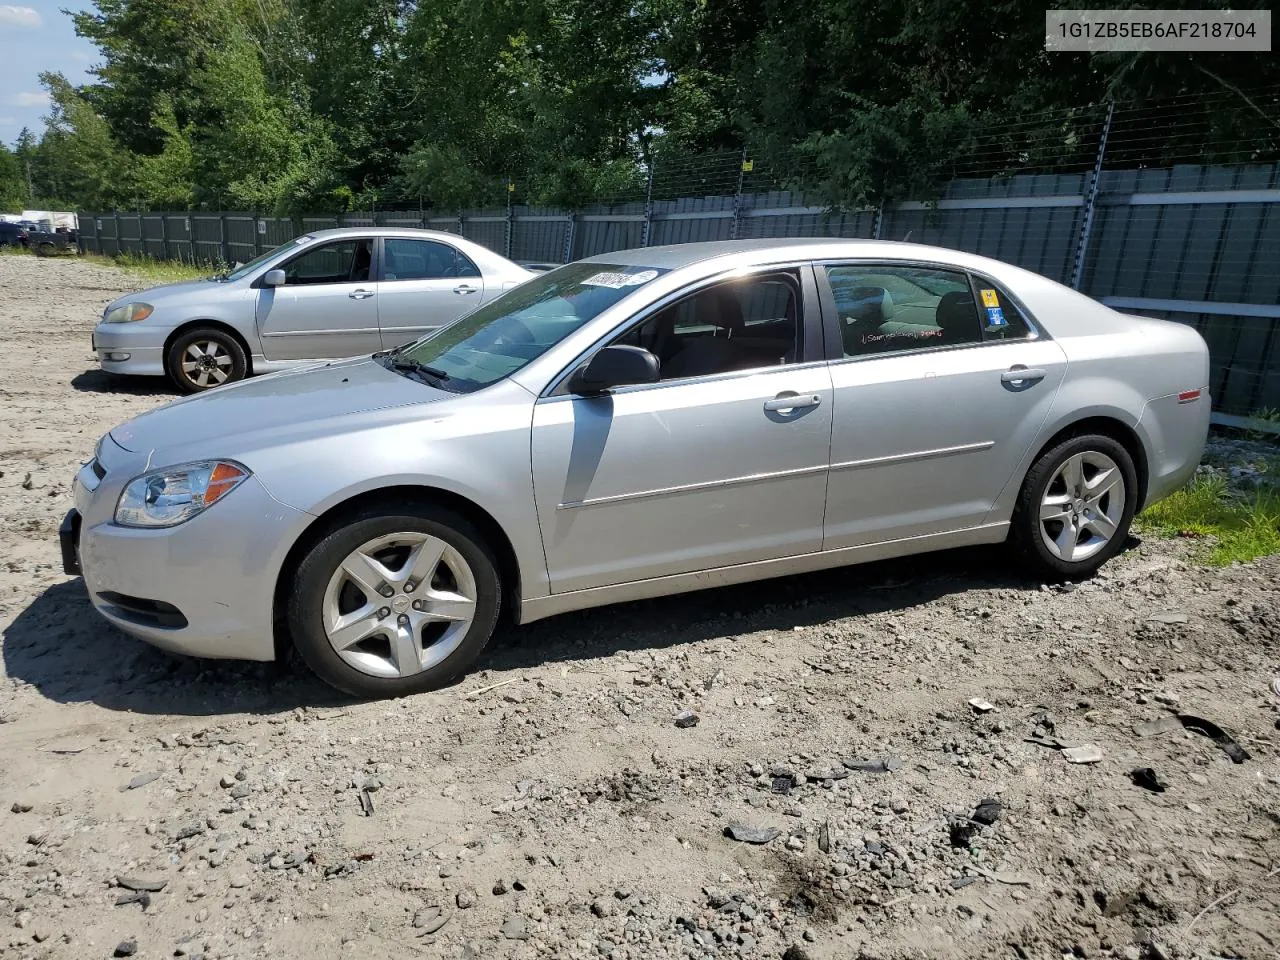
(97, 381)
(781, 604)
(62, 648)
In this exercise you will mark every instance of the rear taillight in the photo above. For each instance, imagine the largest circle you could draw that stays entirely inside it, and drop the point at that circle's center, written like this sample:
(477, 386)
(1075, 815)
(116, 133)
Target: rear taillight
(1187, 396)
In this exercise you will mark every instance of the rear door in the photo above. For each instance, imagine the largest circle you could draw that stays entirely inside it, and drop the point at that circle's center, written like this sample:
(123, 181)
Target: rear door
(425, 284)
(941, 384)
(328, 306)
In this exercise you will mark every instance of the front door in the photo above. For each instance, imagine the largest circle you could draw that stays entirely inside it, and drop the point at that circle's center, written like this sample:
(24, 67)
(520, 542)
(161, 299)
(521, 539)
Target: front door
(723, 461)
(328, 307)
(425, 284)
(932, 414)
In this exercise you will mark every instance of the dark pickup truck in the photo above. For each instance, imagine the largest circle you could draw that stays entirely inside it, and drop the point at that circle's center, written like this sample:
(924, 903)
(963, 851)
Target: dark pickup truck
(45, 243)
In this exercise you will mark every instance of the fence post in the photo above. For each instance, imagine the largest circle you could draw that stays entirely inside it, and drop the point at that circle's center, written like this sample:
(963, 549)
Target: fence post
(509, 226)
(191, 235)
(259, 228)
(737, 197)
(142, 236)
(164, 237)
(461, 222)
(1090, 202)
(222, 237)
(117, 216)
(570, 222)
(647, 231)
(877, 221)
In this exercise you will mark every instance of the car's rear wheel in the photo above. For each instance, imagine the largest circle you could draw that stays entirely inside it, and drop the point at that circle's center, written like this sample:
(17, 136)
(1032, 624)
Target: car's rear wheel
(395, 601)
(204, 358)
(1075, 507)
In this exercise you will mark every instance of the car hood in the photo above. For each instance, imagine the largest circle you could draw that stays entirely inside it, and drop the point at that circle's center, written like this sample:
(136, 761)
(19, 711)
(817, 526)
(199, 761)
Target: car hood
(271, 408)
(169, 291)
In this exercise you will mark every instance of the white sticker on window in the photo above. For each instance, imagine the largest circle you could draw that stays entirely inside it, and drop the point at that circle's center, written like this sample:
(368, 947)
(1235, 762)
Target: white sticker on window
(616, 281)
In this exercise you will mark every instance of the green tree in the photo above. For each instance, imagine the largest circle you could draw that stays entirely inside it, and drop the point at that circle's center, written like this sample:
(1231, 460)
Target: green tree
(13, 182)
(78, 159)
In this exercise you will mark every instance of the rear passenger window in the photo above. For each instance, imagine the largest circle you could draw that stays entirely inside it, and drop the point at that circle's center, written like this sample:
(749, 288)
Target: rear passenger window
(421, 260)
(1001, 319)
(887, 309)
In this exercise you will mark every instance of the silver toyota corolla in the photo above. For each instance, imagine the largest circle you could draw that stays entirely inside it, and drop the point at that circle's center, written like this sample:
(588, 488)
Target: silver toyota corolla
(329, 294)
(643, 423)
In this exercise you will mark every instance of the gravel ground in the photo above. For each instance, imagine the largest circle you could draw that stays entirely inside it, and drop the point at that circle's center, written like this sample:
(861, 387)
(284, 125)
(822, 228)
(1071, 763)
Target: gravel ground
(172, 807)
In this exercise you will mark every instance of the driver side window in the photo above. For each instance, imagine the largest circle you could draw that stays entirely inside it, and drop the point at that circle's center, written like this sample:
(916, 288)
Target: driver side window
(345, 261)
(742, 324)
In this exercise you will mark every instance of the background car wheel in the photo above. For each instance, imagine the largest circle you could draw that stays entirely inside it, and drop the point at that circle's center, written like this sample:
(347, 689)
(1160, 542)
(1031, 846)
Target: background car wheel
(1077, 502)
(204, 358)
(394, 602)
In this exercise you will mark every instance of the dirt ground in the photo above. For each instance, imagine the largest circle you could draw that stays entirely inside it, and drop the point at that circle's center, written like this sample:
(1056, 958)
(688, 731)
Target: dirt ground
(564, 814)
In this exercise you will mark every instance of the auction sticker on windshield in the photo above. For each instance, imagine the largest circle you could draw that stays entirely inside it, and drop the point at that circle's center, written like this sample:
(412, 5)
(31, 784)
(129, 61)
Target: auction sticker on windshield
(616, 281)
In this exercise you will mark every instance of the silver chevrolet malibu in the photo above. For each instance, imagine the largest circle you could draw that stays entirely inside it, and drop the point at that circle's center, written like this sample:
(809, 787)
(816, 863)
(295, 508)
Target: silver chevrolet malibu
(328, 294)
(642, 423)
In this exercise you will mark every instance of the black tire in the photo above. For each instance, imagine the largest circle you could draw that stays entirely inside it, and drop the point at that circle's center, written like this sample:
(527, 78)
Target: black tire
(311, 581)
(1026, 529)
(212, 342)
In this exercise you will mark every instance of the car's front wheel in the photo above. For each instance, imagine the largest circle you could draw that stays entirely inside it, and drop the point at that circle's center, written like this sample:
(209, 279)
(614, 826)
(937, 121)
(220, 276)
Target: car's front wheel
(205, 357)
(1075, 507)
(395, 600)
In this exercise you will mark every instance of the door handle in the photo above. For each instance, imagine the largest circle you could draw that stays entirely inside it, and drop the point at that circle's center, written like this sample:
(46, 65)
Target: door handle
(464, 288)
(1022, 374)
(360, 294)
(791, 401)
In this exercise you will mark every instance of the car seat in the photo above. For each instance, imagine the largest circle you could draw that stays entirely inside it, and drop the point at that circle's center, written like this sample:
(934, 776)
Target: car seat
(957, 317)
(705, 355)
(361, 263)
(862, 313)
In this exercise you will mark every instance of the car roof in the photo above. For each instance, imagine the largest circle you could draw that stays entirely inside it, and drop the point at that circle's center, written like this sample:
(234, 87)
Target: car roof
(728, 253)
(388, 231)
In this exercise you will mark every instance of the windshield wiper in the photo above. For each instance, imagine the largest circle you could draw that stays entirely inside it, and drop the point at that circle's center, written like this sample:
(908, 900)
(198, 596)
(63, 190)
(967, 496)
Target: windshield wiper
(406, 365)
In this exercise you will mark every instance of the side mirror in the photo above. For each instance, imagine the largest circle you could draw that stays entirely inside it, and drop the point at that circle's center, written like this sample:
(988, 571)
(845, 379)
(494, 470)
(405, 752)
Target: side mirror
(273, 278)
(615, 366)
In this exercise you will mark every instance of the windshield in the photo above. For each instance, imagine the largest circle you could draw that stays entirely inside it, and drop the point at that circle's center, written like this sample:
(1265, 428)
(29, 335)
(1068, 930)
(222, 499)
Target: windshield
(502, 336)
(247, 268)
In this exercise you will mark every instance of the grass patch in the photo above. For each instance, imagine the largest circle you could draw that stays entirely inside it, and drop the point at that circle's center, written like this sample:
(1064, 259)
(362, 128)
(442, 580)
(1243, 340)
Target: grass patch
(144, 270)
(1237, 526)
(152, 272)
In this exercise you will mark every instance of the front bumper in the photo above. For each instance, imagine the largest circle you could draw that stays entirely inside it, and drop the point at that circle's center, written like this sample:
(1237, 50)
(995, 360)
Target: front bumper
(130, 348)
(205, 588)
(69, 541)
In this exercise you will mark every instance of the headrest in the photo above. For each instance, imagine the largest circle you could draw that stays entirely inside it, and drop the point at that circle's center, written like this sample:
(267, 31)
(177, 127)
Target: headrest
(956, 311)
(869, 305)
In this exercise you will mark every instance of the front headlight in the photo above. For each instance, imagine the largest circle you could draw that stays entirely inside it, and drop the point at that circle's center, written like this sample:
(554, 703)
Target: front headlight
(166, 498)
(128, 313)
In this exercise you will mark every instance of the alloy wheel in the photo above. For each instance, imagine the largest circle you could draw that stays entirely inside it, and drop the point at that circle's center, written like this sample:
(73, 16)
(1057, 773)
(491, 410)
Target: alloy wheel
(206, 363)
(399, 604)
(1082, 506)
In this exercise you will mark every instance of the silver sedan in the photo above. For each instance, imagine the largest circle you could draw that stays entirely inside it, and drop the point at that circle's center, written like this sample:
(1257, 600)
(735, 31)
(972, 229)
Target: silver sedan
(639, 424)
(326, 295)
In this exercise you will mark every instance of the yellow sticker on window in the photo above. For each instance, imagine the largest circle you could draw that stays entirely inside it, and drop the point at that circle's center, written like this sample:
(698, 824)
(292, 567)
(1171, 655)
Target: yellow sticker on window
(990, 298)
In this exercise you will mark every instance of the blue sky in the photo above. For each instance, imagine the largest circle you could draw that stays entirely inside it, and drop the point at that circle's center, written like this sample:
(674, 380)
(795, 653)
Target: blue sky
(35, 36)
